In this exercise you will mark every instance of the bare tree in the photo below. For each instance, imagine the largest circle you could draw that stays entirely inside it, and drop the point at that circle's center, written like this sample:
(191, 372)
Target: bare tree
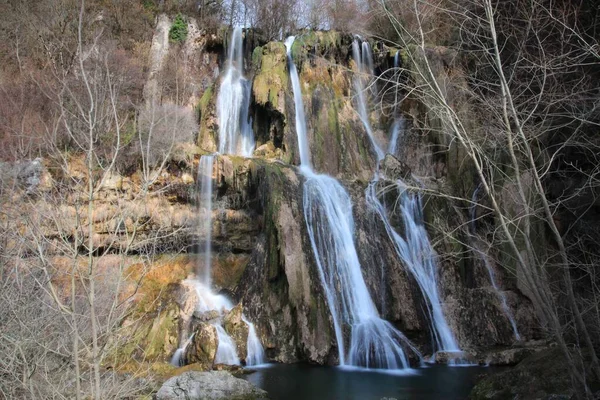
(519, 89)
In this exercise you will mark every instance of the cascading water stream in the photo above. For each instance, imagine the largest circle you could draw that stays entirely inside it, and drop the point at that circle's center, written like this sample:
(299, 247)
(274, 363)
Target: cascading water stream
(207, 300)
(235, 137)
(233, 102)
(359, 86)
(226, 352)
(303, 147)
(488, 265)
(374, 342)
(414, 249)
(205, 179)
(256, 353)
(417, 254)
(396, 131)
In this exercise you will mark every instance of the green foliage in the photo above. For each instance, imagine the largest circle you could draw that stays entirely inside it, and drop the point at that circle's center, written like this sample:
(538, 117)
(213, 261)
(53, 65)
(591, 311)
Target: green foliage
(179, 30)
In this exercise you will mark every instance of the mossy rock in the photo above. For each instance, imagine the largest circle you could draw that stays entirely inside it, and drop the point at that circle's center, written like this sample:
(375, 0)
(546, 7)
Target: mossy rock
(317, 42)
(271, 80)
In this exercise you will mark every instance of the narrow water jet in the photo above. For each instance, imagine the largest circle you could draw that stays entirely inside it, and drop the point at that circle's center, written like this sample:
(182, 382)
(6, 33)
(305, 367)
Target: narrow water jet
(303, 147)
(235, 127)
(414, 249)
(373, 342)
(205, 181)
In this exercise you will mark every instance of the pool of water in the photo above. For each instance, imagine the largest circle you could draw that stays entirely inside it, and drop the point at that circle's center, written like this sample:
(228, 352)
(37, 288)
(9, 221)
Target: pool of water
(304, 382)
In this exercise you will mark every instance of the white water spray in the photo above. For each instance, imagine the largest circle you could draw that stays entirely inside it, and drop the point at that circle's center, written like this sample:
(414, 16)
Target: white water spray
(233, 102)
(374, 342)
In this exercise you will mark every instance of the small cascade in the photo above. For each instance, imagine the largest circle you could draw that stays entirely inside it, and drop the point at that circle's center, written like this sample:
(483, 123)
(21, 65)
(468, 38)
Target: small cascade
(256, 353)
(417, 254)
(233, 102)
(205, 181)
(227, 351)
(397, 60)
(395, 133)
(369, 68)
(488, 265)
(177, 359)
(360, 78)
(207, 300)
(374, 342)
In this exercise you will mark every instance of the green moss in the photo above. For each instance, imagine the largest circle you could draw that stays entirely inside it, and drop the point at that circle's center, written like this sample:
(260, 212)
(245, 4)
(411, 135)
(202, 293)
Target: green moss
(272, 77)
(319, 41)
(205, 100)
(257, 57)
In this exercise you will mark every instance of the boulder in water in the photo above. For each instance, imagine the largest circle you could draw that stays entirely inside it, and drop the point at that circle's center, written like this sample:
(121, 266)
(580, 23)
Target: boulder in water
(203, 347)
(214, 385)
(237, 329)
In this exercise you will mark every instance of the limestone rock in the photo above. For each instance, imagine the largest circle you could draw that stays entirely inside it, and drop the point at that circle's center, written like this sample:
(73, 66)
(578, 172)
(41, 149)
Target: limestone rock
(214, 385)
(237, 329)
(207, 315)
(203, 347)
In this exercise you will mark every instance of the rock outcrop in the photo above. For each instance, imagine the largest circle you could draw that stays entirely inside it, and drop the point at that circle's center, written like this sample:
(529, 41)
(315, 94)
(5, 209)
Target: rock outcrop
(238, 330)
(215, 385)
(543, 375)
(203, 347)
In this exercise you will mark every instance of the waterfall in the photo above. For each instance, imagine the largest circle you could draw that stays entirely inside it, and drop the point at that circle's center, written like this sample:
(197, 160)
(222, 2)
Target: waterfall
(486, 261)
(368, 67)
(414, 249)
(396, 131)
(205, 181)
(256, 353)
(362, 67)
(374, 342)
(300, 117)
(417, 254)
(233, 102)
(207, 299)
(226, 352)
(397, 60)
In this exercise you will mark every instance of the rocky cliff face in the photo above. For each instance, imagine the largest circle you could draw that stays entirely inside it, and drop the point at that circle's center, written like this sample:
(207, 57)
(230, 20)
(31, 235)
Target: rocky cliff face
(262, 257)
